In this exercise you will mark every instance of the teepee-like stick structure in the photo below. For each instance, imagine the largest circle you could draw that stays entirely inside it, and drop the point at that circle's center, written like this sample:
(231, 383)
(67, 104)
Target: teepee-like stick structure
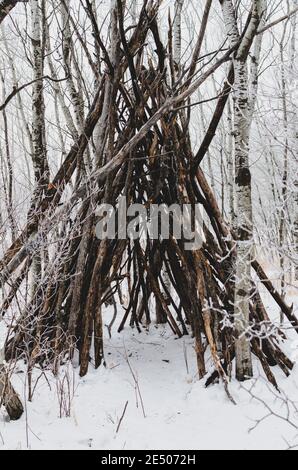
(138, 130)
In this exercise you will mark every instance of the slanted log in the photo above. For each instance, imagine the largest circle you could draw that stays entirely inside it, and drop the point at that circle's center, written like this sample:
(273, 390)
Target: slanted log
(288, 311)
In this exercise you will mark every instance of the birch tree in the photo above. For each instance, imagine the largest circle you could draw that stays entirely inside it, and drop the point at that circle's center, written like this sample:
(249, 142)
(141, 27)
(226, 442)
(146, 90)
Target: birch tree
(244, 217)
(39, 156)
(294, 134)
(177, 32)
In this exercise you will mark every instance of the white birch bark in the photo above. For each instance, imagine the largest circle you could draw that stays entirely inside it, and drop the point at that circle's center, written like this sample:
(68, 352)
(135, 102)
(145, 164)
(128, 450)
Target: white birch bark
(255, 63)
(177, 33)
(133, 11)
(294, 133)
(230, 165)
(244, 216)
(39, 158)
(285, 171)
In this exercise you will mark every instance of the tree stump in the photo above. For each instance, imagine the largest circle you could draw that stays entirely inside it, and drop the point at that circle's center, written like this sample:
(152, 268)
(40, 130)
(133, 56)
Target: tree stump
(8, 396)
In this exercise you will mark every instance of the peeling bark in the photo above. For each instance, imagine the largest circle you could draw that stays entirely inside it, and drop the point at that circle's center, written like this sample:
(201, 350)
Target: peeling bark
(244, 216)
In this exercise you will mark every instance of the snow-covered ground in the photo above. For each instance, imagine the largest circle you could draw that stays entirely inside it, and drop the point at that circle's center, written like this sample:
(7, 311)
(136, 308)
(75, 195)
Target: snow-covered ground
(180, 413)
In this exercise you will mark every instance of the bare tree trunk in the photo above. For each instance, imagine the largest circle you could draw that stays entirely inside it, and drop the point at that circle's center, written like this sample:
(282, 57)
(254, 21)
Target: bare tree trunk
(68, 51)
(294, 134)
(58, 89)
(39, 158)
(12, 65)
(133, 10)
(244, 216)
(9, 189)
(230, 166)
(177, 33)
(285, 174)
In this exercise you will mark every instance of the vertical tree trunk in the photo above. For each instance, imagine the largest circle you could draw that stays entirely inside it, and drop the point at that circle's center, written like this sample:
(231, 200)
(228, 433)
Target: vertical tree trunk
(230, 165)
(177, 32)
(10, 176)
(294, 134)
(38, 108)
(243, 222)
(244, 216)
(285, 174)
(133, 11)
(39, 158)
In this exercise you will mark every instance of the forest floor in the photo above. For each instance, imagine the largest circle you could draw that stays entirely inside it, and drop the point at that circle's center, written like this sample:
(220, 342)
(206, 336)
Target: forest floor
(167, 406)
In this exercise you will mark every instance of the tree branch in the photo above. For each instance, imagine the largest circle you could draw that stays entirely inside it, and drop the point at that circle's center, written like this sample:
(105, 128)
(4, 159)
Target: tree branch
(279, 20)
(15, 90)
